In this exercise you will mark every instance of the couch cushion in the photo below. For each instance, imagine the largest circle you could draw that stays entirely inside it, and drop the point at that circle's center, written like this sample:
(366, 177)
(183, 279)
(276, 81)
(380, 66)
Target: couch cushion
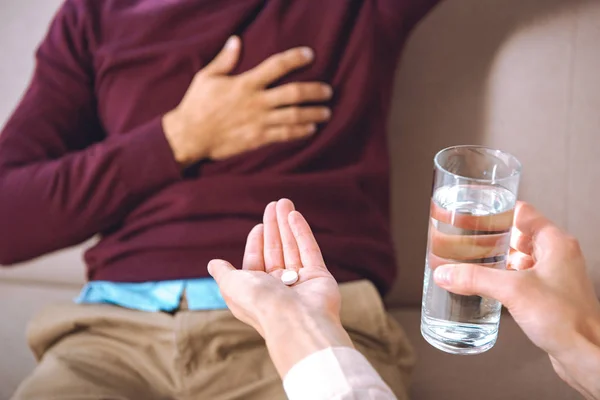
(64, 267)
(513, 369)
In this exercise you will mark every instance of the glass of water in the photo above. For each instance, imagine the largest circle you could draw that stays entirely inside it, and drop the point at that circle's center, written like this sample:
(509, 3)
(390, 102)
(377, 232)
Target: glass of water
(473, 200)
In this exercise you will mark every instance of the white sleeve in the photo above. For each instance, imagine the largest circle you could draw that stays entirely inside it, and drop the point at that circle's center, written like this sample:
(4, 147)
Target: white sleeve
(335, 373)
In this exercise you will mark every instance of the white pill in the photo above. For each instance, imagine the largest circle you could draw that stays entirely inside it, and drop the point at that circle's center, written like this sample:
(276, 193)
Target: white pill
(289, 277)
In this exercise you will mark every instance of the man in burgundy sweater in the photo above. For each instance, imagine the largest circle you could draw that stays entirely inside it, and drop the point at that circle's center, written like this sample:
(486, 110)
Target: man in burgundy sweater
(142, 126)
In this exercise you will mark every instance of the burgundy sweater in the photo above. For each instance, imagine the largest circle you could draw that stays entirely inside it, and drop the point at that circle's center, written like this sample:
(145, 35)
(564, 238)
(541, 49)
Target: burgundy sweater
(84, 152)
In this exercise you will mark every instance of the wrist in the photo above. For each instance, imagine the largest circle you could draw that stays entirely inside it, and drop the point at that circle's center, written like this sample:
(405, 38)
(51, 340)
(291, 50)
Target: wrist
(578, 363)
(294, 333)
(176, 135)
(580, 328)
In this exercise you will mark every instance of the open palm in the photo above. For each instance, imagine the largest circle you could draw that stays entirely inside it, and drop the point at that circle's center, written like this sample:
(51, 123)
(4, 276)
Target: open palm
(284, 241)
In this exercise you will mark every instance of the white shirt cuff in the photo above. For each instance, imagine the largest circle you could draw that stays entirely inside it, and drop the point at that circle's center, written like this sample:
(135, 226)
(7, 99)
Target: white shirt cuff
(339, 373)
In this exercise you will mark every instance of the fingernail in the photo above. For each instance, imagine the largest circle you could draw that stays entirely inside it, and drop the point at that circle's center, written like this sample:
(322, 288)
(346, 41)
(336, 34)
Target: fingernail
(312, 128)
(328, 91)
(232, 43)
(308, 53)
(327, 114)
(442, 275)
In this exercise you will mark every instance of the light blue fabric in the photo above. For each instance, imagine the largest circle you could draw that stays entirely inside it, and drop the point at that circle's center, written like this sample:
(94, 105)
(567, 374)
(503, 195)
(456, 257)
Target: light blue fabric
(201, 294)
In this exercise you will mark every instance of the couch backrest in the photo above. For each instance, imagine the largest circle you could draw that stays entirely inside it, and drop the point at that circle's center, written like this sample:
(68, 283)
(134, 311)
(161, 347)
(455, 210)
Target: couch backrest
(520, 75)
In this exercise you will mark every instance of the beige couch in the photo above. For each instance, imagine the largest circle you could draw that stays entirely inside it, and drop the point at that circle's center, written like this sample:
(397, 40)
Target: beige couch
(521, 75)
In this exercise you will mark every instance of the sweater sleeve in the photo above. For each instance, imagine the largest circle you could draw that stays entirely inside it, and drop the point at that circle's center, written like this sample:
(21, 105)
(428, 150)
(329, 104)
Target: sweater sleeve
(61, 181)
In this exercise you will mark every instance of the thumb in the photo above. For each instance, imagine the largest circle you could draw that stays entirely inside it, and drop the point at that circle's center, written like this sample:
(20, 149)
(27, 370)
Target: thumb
(468, 279)
(218, 269)
(226, 60)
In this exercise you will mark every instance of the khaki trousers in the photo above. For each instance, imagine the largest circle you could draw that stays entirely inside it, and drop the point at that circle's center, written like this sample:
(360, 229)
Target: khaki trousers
(109, 352)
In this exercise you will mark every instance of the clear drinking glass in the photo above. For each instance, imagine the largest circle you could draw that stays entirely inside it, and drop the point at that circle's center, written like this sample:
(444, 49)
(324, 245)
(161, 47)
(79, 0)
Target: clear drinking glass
(472, 206)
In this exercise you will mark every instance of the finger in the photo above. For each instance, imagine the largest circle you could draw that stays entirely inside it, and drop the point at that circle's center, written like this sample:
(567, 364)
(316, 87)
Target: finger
(226, 60)
(297, 93)
(218, 269)
(279, 65)
(273, 250)
(254, 259)
(529, 224)
(470, 279)
(310, 253)
(298, 116)
(285, 133)
(291, 254)
(519, 261)
(520, 242)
